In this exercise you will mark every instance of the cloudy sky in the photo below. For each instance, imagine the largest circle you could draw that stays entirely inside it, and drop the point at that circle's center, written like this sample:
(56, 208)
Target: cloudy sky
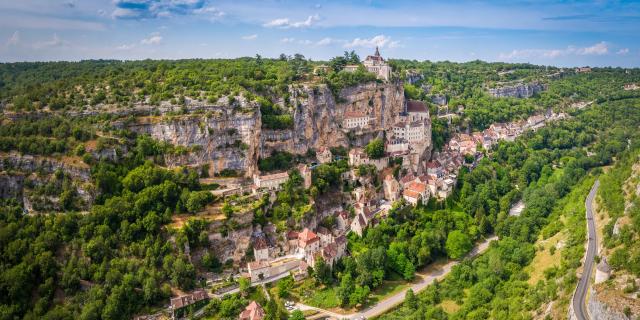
(562, 33)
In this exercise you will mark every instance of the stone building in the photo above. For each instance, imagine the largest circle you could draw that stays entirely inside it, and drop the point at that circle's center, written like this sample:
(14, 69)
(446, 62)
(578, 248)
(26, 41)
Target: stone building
(270, 181)
(355, 119)
(376, 64)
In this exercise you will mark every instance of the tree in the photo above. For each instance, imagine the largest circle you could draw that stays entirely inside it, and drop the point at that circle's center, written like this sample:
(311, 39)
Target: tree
(458, 244)
(375, 148)
(410, 300)
(284, 286)
(322, 271)
(347, 287)
(245, 284)
(296, 315)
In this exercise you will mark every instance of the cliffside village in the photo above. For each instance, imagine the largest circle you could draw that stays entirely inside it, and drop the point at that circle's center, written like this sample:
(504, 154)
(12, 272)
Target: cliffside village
(279, 254)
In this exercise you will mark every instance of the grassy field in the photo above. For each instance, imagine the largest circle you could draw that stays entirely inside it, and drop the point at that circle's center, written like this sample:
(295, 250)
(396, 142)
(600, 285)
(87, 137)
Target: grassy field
(449, 306)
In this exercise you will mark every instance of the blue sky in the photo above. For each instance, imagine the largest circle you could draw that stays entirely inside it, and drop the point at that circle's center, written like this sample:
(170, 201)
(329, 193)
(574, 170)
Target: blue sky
(561, 33)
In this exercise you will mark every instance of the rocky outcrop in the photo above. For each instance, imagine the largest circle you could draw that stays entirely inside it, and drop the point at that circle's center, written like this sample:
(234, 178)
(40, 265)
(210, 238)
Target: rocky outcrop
(222, 137)
(73, 167)
(318, 117)
(11, 186)
(602, 309)
(517, 91)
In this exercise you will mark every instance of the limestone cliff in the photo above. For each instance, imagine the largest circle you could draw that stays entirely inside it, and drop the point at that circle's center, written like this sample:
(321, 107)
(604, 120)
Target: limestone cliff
(230, 136)
(223, 137)
(318, 116)
(521, 90)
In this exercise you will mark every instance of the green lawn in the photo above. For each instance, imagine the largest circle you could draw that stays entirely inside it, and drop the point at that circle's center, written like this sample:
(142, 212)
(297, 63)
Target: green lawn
(324, 298)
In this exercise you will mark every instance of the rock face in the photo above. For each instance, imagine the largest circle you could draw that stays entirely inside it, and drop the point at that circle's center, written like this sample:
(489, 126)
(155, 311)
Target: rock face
(232, 137)
(222, 137)
(11, 186)
(318, 117)
(518, 91)
(29, 163)
(600, 310)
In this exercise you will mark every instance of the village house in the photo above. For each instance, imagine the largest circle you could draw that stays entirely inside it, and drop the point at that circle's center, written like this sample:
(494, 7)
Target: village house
(342, 219)
(377, 65)
(355, 119)
(583, 69)
(258, 270)
(324, 155)
(357, 157)
(178, 306)
(325, 236)
(252, 312)
(631, 86)
(391, 188)
(292, 241)
(435, 168)
(358, 224)
(416, 192)
(308, 244)
(270, 181)
(261, 249)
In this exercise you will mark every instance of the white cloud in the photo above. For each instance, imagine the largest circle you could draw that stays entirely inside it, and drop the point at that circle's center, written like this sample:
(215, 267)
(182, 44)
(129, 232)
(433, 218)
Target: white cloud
(305, 42)
(287, 40)
(54, 42)
(154, 39)
(250, 37)
(326, 41)
(286, 23)
(213, 13)
(125, 47)
(377, 41)
(598, 49)
(623, 51)
(14, 39)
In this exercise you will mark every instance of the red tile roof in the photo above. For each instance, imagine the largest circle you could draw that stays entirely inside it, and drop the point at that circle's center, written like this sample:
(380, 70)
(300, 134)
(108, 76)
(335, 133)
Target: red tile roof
(252, 312)
(307, 237)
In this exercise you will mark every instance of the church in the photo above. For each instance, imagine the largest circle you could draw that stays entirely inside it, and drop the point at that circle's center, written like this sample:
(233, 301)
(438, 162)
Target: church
(374, 64)
(377, 65)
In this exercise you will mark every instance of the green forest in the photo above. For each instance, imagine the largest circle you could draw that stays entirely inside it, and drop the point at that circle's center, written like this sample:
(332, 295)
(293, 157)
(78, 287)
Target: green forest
(115, 256)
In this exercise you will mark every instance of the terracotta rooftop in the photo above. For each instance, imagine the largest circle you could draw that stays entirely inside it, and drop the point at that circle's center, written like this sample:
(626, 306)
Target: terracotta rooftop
(252, 312)
(261, 243)
(411, 194)
(307, 236)
(417, 187)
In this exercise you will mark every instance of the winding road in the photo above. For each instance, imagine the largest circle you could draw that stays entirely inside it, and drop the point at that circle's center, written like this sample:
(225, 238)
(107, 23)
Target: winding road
(396, 299)
(578, 301)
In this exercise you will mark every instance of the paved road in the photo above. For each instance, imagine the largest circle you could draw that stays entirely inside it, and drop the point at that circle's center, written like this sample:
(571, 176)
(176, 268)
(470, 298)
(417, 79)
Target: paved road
(579, 305)
(396, 299)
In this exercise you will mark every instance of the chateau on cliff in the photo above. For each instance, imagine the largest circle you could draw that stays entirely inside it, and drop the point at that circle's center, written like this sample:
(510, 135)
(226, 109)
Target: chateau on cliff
(374, 64)
(377, 65)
